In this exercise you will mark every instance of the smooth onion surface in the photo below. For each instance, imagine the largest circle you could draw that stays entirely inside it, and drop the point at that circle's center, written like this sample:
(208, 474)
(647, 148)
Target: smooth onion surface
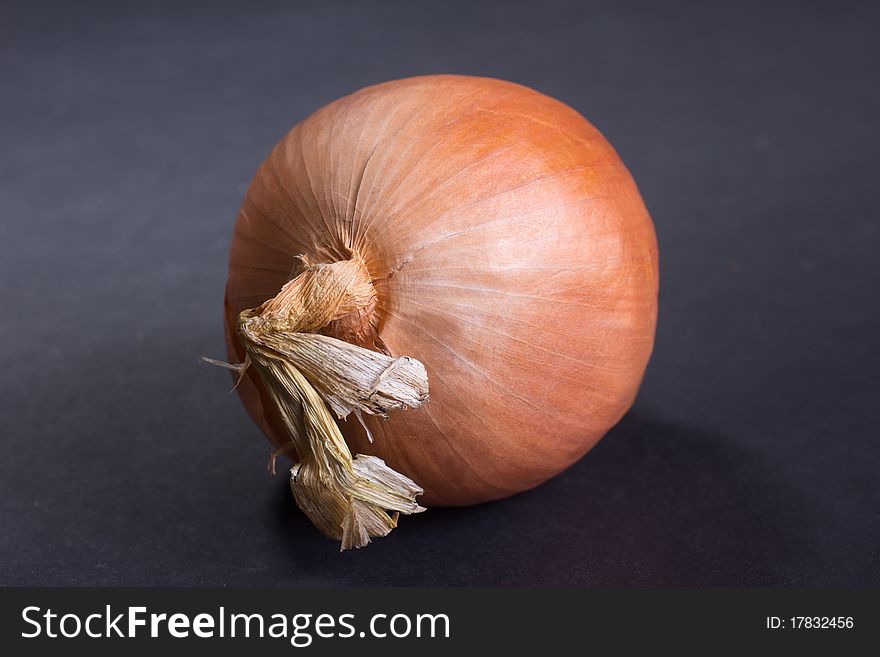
(512, 255)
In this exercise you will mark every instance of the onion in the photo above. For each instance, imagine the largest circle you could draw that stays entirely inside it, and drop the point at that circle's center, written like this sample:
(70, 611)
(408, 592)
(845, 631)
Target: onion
(467, 230)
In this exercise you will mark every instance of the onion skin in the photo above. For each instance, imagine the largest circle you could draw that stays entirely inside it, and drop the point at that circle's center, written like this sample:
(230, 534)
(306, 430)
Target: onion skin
(512, 255)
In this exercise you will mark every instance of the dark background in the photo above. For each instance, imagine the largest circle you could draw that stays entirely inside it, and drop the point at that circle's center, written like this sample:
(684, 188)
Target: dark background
(128, 133)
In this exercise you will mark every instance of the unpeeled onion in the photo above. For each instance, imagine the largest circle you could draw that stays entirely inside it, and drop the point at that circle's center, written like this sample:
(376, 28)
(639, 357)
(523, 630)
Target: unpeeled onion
(510, 253)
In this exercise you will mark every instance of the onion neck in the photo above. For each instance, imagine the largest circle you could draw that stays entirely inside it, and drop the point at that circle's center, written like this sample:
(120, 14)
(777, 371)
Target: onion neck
(293, 341)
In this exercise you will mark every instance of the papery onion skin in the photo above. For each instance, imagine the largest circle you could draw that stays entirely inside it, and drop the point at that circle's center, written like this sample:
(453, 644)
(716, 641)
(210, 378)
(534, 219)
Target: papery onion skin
(512, 255)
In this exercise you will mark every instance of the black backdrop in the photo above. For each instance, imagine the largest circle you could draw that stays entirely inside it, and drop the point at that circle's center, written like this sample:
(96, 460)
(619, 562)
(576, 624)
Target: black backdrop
(128, 133)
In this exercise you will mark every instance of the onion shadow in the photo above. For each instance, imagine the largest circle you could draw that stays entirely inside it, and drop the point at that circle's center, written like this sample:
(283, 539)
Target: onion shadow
(654, 503)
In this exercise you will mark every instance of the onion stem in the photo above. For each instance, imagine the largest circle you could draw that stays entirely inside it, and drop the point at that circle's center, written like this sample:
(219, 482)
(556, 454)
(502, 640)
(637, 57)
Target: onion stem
(350, 499)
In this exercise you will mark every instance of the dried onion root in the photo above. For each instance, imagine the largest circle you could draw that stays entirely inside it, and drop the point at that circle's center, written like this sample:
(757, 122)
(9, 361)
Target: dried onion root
(307, 375)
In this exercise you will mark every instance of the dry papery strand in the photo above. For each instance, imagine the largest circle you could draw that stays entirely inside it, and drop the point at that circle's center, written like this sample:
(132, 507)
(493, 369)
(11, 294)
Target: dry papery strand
(467, 229)
(308, 375)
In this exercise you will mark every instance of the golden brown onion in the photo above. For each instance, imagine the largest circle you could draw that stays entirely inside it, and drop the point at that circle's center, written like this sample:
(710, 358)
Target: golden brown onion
(510, 253)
